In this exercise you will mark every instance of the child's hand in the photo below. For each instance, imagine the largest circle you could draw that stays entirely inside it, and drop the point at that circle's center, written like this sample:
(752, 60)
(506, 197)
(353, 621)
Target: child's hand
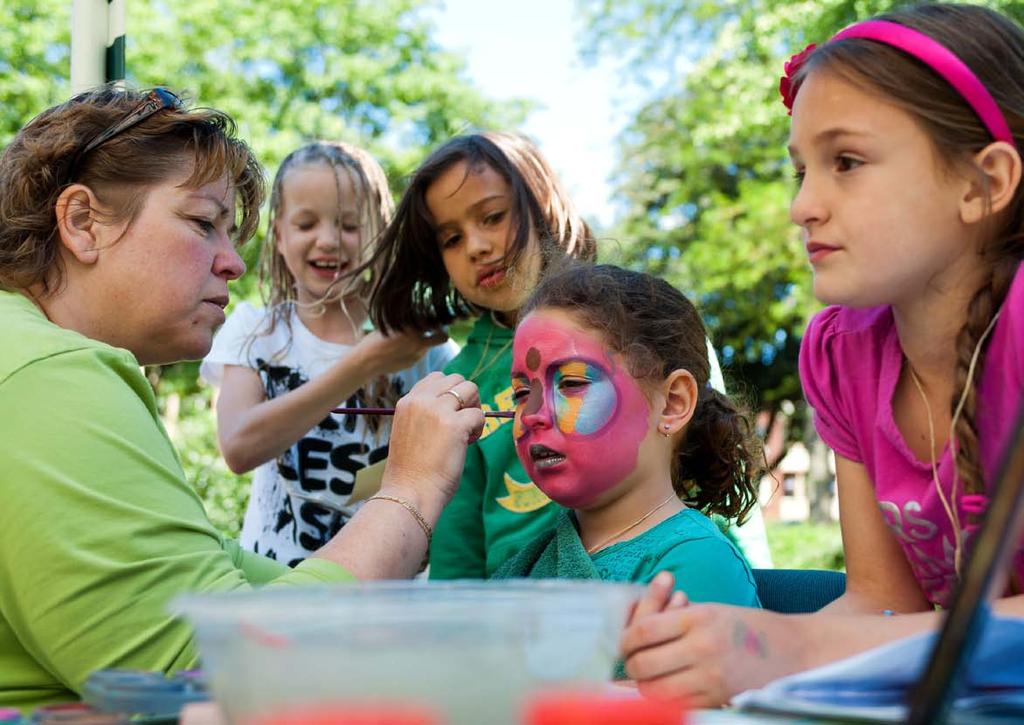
(385, 354)
(433, 424)
(658, 597)
(704, 653)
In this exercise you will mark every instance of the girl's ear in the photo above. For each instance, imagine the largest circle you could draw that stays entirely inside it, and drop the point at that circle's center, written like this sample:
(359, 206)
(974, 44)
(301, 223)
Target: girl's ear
(76, 211)
(1000, 166)
(680, 390)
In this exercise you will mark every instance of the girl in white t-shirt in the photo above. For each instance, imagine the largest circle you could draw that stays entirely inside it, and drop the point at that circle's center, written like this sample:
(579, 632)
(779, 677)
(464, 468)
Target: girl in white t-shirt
(281, 369)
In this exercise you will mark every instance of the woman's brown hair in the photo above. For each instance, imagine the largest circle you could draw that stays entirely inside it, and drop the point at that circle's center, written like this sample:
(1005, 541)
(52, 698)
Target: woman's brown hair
(992, 46)
(413, 291)
(45, 157)
(657, 330)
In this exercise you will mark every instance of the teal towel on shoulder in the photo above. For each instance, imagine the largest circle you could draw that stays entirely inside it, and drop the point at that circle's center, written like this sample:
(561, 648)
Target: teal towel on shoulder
(555, 554)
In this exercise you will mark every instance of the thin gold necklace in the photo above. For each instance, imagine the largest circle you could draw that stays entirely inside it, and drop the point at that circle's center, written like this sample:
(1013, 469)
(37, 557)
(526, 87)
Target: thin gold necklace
(632, 526)
(481, 368)
(952, 512)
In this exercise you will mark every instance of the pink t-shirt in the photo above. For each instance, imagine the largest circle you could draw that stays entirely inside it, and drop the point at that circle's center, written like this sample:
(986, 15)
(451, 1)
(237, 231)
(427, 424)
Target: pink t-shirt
(850, 361)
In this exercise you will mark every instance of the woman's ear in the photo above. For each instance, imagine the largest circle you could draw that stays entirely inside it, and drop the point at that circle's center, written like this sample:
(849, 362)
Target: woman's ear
(999, 164)
(681, 393)
(76, 211)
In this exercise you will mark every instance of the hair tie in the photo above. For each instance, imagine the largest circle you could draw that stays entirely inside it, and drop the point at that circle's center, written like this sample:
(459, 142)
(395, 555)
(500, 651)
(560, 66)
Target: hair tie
(927, 50)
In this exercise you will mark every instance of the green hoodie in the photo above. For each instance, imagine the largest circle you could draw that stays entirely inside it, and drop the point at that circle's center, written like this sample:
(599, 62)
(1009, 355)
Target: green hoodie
(497, 509)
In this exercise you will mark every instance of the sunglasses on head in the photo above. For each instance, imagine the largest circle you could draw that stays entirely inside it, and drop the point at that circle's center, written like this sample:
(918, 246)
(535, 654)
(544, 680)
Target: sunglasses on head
(156, 100)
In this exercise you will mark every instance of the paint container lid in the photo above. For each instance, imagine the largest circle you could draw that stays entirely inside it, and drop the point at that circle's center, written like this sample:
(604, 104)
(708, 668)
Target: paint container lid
(9, 715)
(601, 708)
(141, 692)
(354, 714)
(76, 713)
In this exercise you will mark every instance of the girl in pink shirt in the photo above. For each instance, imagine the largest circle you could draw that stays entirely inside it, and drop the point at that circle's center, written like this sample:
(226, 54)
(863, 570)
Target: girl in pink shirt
(906, 139)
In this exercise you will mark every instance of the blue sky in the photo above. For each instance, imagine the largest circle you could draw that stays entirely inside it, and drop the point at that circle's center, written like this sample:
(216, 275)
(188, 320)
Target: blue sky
(529, 49)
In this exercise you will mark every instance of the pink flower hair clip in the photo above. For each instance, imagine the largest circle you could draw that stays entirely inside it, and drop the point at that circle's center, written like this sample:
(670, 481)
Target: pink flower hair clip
(927, 50)
(787, 84)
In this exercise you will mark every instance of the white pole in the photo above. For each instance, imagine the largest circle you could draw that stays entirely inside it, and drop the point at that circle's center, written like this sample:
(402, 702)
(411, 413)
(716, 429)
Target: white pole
(89, 31)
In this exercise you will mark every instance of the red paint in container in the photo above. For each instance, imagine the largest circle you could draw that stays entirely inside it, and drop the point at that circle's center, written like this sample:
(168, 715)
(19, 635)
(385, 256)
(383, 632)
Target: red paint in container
(354, 714)
(595, 708)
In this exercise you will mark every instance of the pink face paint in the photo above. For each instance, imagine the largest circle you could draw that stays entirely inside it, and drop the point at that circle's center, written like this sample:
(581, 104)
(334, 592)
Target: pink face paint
(580, 417)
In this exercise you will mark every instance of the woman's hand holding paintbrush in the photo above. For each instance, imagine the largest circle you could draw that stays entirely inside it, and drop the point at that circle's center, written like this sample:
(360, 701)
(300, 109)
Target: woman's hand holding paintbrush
(433, 424)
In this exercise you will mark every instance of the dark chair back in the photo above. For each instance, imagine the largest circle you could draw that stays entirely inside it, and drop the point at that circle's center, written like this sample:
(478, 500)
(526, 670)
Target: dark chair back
(798, 591)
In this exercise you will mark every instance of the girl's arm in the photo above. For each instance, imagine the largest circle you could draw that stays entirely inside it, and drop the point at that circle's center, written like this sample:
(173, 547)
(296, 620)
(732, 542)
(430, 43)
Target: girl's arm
(710, 652)
(878, 575)
(707, 653)
(252, 430)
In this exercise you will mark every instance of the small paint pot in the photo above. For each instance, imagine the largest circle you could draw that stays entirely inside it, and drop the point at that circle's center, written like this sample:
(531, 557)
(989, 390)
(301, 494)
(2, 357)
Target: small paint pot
(76, 713)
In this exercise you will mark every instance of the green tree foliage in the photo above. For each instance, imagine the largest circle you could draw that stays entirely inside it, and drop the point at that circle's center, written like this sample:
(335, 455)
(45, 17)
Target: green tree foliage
(364, 71)
(703, 167)
(35, 47)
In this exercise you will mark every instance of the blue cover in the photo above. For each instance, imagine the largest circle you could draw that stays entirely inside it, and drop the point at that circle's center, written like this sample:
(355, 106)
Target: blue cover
(875, 685)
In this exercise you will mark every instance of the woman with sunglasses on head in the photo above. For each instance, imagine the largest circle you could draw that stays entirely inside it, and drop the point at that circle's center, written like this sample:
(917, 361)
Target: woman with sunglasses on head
(117, 240)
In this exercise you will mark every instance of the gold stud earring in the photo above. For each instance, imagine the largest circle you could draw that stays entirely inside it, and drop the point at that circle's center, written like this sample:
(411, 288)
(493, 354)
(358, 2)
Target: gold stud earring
(665, 431)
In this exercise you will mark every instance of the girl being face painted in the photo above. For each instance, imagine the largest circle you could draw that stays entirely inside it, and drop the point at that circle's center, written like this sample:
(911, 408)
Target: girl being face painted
(580, 415)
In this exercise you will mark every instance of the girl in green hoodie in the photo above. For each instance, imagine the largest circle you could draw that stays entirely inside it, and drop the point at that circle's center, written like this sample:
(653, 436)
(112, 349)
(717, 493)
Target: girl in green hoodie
(482, 218)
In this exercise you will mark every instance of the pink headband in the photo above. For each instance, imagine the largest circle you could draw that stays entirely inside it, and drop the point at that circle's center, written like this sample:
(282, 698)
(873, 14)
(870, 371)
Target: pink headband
(928, 51)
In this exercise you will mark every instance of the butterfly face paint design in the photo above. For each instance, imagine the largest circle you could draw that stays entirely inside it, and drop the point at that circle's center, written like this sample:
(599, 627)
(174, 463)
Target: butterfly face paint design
(580, 417)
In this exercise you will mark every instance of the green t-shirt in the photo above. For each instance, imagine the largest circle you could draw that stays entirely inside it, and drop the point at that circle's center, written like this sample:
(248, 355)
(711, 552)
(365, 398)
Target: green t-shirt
(99, 529)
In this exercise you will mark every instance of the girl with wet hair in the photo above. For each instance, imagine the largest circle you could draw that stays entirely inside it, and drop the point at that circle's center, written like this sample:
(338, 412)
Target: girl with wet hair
(281, 369)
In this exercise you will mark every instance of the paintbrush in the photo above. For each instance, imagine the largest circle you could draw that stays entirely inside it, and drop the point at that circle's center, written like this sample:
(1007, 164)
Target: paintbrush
(391, 411)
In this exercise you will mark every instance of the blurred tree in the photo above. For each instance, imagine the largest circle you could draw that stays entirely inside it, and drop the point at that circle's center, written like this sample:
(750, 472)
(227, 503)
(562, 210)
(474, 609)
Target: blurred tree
(364, 71)
(703, 168)
(35, 48)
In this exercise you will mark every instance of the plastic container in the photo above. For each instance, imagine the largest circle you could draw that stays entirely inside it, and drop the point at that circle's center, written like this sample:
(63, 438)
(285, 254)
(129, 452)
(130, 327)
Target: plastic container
(471, 652)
